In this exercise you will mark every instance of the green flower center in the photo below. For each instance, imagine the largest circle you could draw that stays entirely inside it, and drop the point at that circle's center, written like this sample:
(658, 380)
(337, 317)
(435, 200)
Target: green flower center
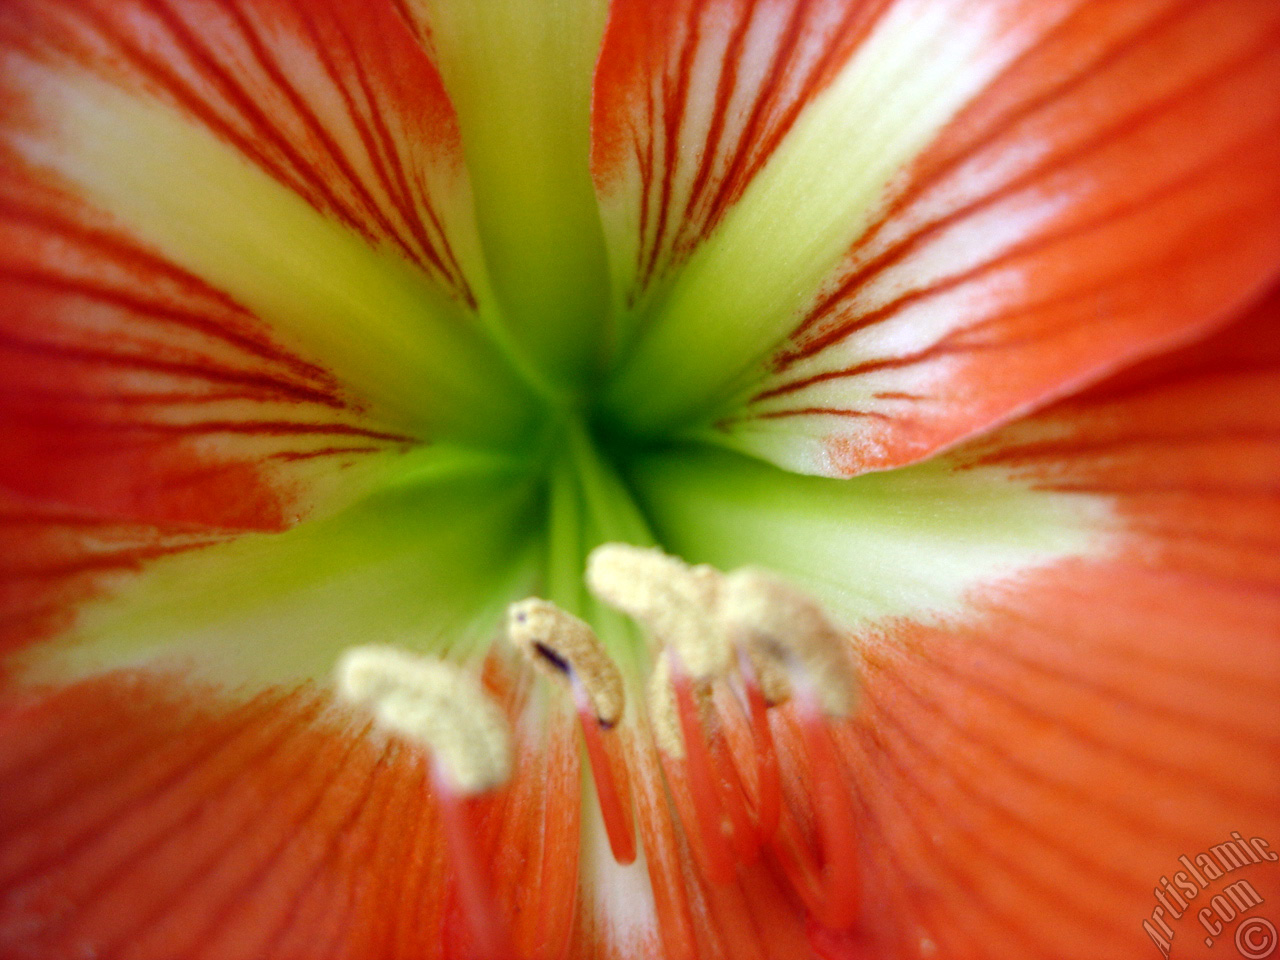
(552, 417)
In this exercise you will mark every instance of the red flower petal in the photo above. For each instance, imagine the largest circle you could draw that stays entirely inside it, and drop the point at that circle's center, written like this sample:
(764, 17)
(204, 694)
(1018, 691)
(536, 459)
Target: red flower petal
(135, 391)
(334, 100)
(1022, 779)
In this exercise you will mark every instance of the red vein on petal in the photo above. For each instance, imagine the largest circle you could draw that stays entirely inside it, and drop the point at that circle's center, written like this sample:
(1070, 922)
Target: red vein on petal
(939, 721)
(1191, 780)
(136, 261)
(673, 107)
(318, 767)
(312, 123)
(900, 251)
(154, 786)
(726, 86)
(389, 166)
(1087, 909)
(247, 106)
(346, 851)
(189, 101)
(901, 247)
(265, 383)
(336, 834)
(962, 890)
(949, 345)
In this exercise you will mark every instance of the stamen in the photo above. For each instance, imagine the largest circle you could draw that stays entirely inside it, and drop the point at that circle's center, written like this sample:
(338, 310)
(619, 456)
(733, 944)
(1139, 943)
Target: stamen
(443, 709)
(789, 628)
(714, 828)
(436, 705)
(768, 776)
(769, 678)
(567, 649)
(674, 601)
(664, 713)
(475, 883)
(785, 627)
(681, 608)
(608, 767)
(733, 801)
(837, 828)
(786, 648)
(827, 882)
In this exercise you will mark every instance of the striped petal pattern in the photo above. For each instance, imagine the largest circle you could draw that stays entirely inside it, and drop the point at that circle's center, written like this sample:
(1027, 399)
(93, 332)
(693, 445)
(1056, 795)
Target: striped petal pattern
(832, 100)
(272, 826)
(1106, 190)
(170, 123)
(1033, 775)
(228, 330)
(931, 306)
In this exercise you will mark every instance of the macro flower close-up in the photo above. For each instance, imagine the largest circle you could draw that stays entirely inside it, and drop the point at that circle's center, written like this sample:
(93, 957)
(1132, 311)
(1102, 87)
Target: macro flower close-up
(686, 479)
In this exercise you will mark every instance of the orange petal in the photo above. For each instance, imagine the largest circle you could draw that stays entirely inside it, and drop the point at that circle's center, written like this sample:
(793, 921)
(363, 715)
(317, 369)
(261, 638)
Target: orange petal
(1027, 778)
(1111, 192)
(181, 178)
(142, 816)
(334, 100)
(151, 401)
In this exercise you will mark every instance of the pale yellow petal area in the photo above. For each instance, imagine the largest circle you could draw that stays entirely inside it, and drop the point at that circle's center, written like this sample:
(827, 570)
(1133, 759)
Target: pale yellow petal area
(740, 291)
(427, 562)
(917, 543)
(519, 75)
(416, 358)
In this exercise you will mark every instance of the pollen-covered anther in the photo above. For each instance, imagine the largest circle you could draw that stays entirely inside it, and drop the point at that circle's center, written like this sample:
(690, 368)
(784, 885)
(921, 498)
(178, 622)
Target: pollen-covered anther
(442, 708)
(674, 601)
(769, 675)
(567, 650)
(436, 705)
(785, 626)
(789, 638)
(664, 715)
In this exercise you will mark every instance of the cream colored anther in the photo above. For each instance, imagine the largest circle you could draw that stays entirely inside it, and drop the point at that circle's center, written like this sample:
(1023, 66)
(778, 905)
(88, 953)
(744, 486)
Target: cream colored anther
(566, 648)
(674, 601)
(664, 716)
(783, 625)
(771, 676)
(435, 704)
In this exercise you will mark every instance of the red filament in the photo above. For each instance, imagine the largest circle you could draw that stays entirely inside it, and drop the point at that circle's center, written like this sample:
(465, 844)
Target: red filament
(614, 810)
(474, 884)
(712, 823)
(828, 881)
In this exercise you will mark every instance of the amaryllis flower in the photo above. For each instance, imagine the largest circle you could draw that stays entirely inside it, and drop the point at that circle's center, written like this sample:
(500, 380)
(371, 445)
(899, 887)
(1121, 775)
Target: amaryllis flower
(913, 360)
